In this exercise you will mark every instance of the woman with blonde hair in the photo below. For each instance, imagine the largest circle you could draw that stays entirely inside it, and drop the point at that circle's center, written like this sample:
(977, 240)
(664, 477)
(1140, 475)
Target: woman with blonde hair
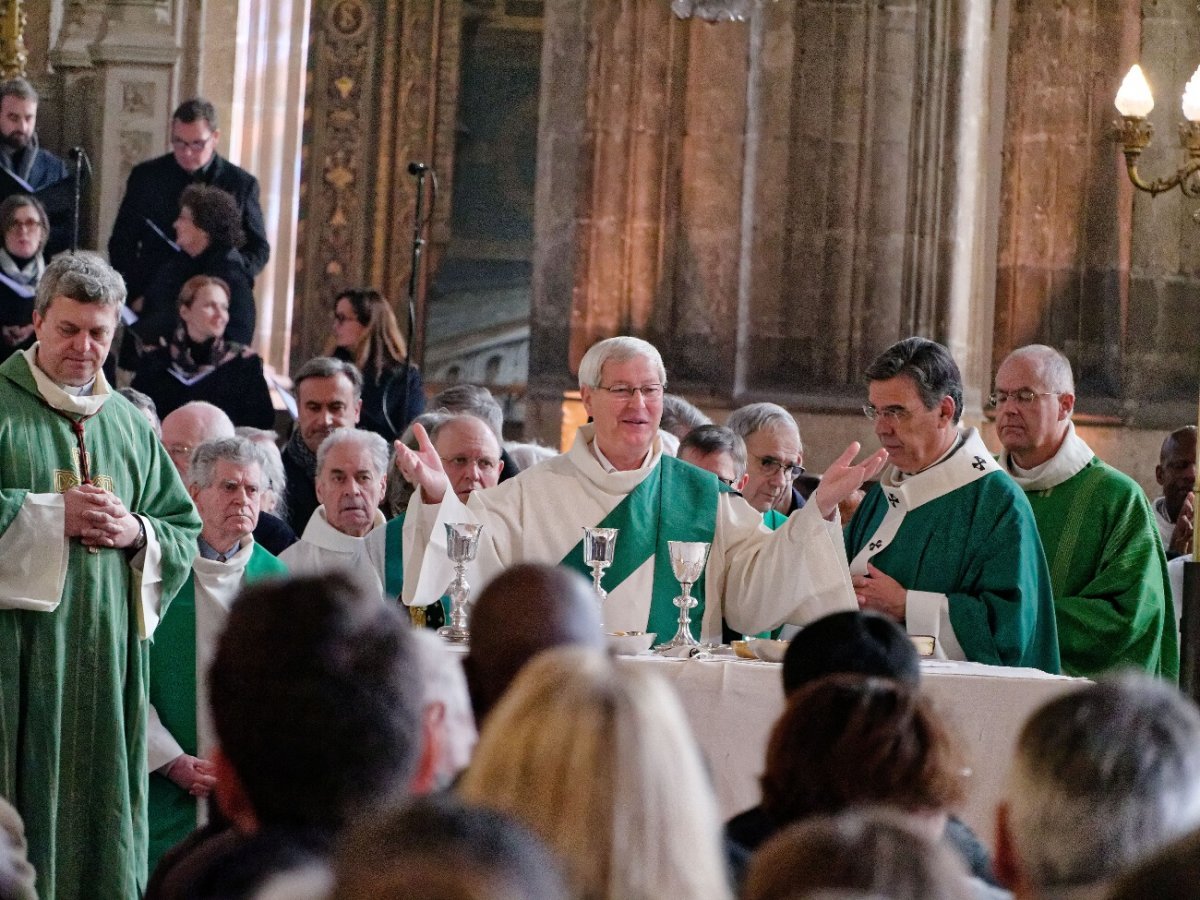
(599, 761)
(365, 332)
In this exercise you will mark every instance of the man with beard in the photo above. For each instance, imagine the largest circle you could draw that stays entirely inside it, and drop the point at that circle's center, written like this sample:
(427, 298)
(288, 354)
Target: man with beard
(22, 155)
(351, 478)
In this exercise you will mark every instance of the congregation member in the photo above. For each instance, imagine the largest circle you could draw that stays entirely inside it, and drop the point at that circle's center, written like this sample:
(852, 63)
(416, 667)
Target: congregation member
(225, 481)
(439, 848)
(717, 449)
(274, 499)
(446, 708)
(22, 154)
(89, 493)
(946, 542)
(197, 362)
(478, 401)
(852, 740)
(365, 333)
(1102, 777)
(774, 456)
(139, 244)
(328, 396)
(1175, 473)
(26, 229)
(1112, 599)
(316, 704)
(868, 854)
(1172, 873)
(209, 236)
(522, 612)
(679, 417)
(616, 475)
(190, 426)
(351, 480)
(470, 455)
(599, 760)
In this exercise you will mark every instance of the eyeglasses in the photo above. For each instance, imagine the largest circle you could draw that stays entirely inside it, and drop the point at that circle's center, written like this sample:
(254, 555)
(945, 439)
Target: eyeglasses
(25, 225)
(1023, 397)
(339, 319)
(194, 146)
(626, 391)
(180, 449)
(485, 463)
(888, 413)
(769, 465)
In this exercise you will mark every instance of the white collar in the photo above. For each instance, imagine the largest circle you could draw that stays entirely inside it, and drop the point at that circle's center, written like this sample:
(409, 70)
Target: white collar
(58, 397)
(607, 466)
(967, 461)
(320, 533)
(1071, 459)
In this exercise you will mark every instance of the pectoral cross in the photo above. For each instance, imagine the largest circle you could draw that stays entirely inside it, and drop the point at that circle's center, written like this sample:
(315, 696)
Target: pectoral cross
(979, 464)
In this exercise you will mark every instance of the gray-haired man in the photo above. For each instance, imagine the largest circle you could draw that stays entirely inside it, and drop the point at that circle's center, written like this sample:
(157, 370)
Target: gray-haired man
(96, 534)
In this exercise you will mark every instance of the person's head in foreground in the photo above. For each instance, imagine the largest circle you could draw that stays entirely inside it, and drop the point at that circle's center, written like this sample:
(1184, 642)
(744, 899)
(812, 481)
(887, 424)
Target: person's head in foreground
(317, 706)
(1172, 873)
(447, 705)
(1102, 777)
(599, 761)
(873, 851)
(524, 610)
(849, 740)
(850, 643)
(438, 849)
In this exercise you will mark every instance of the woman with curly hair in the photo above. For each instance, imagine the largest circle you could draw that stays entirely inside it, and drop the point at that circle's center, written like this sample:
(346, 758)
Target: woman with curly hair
(209, 233)
(365, 333)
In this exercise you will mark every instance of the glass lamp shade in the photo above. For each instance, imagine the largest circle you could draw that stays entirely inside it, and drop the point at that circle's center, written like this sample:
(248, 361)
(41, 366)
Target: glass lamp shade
(1134, 97)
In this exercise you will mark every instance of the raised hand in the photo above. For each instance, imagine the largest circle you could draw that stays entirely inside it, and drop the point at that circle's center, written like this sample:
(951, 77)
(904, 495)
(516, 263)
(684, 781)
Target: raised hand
(843, 477)
(1181, 536)
(422, 467)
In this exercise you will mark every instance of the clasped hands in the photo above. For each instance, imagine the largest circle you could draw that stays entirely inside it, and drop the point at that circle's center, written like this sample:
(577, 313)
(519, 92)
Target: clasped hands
(99, 518)
(195, 775)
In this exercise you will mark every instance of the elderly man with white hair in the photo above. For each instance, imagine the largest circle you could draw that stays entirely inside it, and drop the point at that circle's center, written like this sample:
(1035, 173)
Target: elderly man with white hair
(1103, 777)
(1112, 598)
(351, 480)
(226, 481)
(616, 475)
(774, 457)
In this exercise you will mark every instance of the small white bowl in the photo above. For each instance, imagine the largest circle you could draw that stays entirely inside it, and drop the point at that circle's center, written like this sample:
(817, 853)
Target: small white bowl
(768, 650)
(630, 643)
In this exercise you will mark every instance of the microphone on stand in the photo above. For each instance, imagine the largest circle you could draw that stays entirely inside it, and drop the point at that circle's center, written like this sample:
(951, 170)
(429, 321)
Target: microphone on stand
(417, 168)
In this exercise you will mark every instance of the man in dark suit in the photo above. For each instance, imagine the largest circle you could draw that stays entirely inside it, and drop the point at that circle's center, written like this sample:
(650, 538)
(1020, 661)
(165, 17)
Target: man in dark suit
(139, 242)
(22, 156)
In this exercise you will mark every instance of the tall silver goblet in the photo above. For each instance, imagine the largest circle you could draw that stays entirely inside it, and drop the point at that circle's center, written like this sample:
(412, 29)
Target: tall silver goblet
(599, 547)
(462, 543)
(687, 562)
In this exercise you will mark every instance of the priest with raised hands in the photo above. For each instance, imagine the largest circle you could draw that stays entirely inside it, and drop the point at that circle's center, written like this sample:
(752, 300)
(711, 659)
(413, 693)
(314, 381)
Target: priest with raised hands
(1112, 598)
(616, 475)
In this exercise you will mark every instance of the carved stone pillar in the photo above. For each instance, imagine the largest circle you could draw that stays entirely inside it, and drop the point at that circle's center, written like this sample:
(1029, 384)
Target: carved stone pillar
(382, 92)
(772, 203)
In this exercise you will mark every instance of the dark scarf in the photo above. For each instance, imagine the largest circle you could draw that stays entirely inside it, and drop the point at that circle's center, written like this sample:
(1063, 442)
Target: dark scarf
(191, 360)
(299, 453)
(8, 156)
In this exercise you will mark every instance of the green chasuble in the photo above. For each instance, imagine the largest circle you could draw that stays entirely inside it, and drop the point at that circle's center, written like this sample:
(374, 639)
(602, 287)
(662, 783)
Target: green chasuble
(675, 502)
(73, 681)
(173, 694)
(1112, 597)
(435, 615)
(978, 545)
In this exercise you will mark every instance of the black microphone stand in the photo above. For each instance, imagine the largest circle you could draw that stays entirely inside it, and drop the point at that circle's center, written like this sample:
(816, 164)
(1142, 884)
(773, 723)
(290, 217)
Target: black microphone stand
(79, 157)
(418, 244)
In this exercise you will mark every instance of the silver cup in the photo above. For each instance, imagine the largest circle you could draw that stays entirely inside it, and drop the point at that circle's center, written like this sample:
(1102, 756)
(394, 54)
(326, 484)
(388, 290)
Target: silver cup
(599, 547)
(687, 562)
(462, 543)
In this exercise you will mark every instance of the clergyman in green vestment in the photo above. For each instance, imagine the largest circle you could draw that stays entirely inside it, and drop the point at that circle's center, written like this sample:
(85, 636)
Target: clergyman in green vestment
(96, 535)
(225, 480)
(616, 475)
(946, 542)
(1112, 597)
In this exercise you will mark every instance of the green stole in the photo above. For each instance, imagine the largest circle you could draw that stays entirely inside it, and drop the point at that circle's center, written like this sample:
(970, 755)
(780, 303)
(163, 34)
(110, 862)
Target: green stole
(675, 502)
(393, 577)
(173, 693)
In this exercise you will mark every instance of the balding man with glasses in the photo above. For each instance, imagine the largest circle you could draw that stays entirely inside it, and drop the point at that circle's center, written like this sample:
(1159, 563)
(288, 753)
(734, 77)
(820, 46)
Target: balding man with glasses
(946, 542)
(616, 475)
(1112, 599)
